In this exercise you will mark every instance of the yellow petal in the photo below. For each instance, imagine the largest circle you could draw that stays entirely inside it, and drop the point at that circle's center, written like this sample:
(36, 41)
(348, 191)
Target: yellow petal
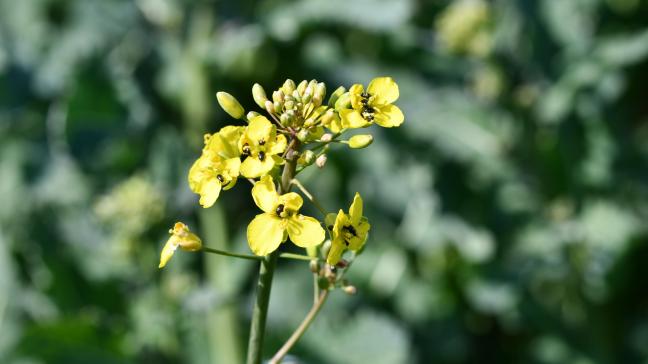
(384, 89)
(305, 231)
(195, 176)
(209, 192)
(265, 233)
(167, 252)
(225, 142)
(252, 167)
(355, 211)
(362, 230)
(264, 194)
(352, 119)
(355, 94)
(232, 167)
(292, 201)
(336, 251)
(330, 220)
(259, 128)
(389, 116)
(278, 145)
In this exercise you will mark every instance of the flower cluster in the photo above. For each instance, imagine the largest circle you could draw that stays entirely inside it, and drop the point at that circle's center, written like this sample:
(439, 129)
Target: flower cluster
(297, 131)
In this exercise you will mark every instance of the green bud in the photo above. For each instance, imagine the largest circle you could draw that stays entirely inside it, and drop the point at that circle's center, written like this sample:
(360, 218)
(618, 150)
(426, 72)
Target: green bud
(327, 117)
(343, 102)
(278, 107)
(302, 135)
(288, 86)
(278, 96)
(360, 141)
(326, 137)
(296, 95)
(320, 91)
(259, 95)
(269, 106)
(284, 119)
(350, 290)
(230, 105)
(289, 105)
(321, 161)
(335, 95)
(308, 95)
(307, 158)
(252, 114)
(302, 87)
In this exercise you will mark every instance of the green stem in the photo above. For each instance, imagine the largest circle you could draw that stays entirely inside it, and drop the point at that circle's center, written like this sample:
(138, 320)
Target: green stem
(260, 312)
(256, 257)
(228, 254)
(317, 306)
(268, 264)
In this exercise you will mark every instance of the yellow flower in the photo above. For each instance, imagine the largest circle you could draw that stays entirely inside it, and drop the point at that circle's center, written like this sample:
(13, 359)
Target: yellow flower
(218, 166)
(373, 105)
(280, 219)
(180, 237)
(349, 230)
(261, 145)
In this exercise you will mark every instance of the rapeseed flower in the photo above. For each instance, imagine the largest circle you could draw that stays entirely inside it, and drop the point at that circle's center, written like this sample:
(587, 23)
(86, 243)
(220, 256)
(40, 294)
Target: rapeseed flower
(349, 231)
(218, 167)
(280, 219)
(260, 146)
(180, 237)
(374, 105)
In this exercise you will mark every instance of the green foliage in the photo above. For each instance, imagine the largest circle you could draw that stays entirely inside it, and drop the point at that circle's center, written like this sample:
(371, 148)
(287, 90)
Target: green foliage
(508, 211)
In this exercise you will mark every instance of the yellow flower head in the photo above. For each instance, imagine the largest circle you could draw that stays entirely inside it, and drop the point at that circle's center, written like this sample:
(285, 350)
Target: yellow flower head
(373, 105)
(349, 230)
(180, 237)
(218, 166)
(280, 219)
(261, 145)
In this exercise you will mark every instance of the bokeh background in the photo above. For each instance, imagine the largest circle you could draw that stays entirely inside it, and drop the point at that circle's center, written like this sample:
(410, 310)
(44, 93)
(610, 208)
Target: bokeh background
(509, 213)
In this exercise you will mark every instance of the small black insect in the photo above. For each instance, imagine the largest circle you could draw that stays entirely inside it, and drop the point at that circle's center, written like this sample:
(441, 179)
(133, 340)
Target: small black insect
(261, 156)
(279, 209)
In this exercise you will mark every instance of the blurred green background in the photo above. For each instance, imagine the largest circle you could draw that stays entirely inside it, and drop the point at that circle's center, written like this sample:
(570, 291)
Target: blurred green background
(509, 213)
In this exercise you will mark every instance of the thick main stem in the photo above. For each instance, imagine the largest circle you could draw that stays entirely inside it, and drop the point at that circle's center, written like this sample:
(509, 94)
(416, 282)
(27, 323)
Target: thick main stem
(266, 272)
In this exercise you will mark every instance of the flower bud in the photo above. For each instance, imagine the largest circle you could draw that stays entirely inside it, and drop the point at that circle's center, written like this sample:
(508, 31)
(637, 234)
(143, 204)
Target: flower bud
(326, 137)
(307, 158)
(278, 107)
(314, 266)
(259, 95)
(321, 161)
(302, 87)
(360, 141)
(350, 290)
(336, 95)
(252, 114)
(284, 119)
(288, 86)
(343, 102)
(302, 135)
(278, 96)
(230, 105)
(296, 95)
(289, 105)
(327, 117)
(307, 95)
(269, 106)
(320, 91)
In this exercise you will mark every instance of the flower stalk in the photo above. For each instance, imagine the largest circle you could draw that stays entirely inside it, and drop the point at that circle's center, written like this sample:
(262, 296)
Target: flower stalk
(266, 272)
